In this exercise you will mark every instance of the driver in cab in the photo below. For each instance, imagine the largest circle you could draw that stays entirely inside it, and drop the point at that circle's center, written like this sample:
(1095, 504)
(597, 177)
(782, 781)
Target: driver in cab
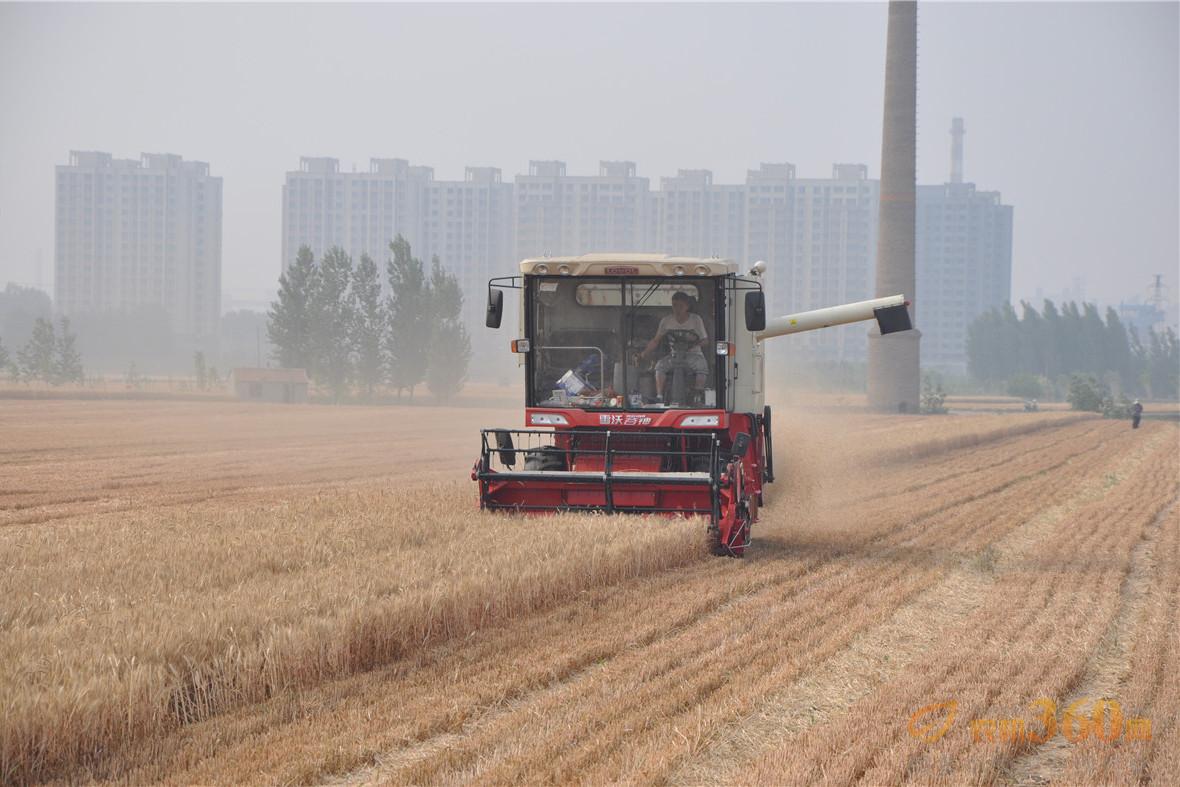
(681, 319)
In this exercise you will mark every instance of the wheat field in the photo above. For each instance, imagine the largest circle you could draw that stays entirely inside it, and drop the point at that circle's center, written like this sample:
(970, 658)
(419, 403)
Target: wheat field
(209, 592)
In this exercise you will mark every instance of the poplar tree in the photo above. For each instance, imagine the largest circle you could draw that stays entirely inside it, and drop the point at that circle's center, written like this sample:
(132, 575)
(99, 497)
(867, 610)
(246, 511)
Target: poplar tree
(368, 325)
(407, 310)
(331, 321)
(289, 320)
(37, 359)
(450, 346)
(68, 361)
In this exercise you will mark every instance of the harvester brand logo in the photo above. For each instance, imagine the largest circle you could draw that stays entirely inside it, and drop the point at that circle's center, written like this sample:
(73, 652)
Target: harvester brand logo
(621, 419)
(621, 270)
(1104, 723)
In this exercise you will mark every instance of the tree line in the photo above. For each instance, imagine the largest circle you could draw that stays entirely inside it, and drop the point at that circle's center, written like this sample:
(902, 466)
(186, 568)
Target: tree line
(1040, 350)
(48, 356)
(332, 319)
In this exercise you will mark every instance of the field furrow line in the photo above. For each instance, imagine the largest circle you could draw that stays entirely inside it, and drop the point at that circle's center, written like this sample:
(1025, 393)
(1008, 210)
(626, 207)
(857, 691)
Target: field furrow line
(1139, 673)
(720, 667)
(985, 487)
(832, 687)
(932, 681)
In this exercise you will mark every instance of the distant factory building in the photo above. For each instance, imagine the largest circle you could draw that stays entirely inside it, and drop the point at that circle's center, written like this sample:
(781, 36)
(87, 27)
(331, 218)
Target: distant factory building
(964, 261)
(139, 233)
(288, 386)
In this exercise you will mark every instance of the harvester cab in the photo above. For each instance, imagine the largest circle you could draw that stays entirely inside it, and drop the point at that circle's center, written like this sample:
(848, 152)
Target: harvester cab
(644, 389)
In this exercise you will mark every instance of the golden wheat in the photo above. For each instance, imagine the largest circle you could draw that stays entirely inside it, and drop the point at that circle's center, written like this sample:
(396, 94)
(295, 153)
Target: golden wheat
(210, 592)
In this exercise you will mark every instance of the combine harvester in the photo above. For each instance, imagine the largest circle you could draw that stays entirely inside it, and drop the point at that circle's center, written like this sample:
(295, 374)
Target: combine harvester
(644, 373)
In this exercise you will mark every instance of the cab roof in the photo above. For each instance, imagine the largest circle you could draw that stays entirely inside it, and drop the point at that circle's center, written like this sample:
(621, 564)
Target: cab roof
(628, 264)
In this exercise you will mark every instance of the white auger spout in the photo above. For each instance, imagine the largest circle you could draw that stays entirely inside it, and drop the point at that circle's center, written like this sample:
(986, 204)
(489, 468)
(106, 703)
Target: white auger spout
(890, 313)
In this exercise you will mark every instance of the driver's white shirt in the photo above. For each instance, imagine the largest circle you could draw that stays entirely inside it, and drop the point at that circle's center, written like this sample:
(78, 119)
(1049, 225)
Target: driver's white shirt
(692, 323)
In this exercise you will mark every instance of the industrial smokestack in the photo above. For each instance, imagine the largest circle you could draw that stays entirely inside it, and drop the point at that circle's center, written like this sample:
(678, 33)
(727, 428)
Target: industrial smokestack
(893, 372)
(957, 132)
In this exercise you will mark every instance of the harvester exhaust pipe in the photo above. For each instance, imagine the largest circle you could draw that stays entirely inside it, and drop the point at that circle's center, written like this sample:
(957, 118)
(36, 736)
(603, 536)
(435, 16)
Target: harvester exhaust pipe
(891, 313)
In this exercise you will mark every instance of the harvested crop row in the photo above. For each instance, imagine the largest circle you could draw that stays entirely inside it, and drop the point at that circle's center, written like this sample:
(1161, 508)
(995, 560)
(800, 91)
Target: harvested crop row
(1032, 645)
(784, 605)
(1151, 690)
(785, 631)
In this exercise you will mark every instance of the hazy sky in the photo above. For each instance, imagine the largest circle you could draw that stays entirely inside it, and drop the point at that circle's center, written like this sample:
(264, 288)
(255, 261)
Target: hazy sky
(1071, 109)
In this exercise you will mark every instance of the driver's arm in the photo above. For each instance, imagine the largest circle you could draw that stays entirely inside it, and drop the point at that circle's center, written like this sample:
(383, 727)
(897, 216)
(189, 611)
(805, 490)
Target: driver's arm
(704, 334)
(653, 344)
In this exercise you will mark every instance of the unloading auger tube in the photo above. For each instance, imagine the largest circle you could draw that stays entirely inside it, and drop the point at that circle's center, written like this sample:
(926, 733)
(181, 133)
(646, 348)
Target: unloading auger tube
(890, 312)
(613, 423)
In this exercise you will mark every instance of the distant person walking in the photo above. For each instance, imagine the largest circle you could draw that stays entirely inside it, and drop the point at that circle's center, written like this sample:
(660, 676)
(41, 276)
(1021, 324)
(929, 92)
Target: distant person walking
(1136, 414)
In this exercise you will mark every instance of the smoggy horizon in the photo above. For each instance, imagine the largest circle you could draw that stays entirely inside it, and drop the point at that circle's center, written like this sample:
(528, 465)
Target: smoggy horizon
(1071, 109)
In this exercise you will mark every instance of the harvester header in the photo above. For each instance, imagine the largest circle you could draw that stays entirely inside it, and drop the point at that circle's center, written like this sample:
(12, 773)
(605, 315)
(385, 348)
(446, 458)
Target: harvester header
(644, 388)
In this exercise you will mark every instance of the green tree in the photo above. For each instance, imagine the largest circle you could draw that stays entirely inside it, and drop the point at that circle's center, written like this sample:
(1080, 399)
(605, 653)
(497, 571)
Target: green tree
(1051, 340)
(1032, 342)
(5, 361)
(36, 358)
(1070, 339)
(289, 327)
(331, 322)
(1117, 351)
(1086, 393)
(1163, 364)
(1093, 341)
(368, 325)
(450, 346)
(1139, 360)
(1026, 386)
(132, 377)
(407, 310)
(200, 371)
(19, 309)
(68, 361)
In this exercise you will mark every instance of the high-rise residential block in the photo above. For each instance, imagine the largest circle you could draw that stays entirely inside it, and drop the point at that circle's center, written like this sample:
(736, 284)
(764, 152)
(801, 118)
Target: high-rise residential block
(964, 260)
(559, 214)
(139, 233)
(695, 217)
(818, 236)
(468, 225)
(360, 212)
(832, 260)
(964, 266)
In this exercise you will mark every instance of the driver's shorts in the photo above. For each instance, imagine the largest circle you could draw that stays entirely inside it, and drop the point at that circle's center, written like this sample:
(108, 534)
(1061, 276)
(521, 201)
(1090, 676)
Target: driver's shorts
(694, 361)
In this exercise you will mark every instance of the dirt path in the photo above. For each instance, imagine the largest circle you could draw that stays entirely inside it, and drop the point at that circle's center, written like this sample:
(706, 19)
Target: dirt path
(859, 605)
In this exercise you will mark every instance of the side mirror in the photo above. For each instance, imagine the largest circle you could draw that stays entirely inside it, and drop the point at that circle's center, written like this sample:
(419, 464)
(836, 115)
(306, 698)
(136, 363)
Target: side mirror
(495, 307)
(755, 311)
(892, 319)
(741, 444)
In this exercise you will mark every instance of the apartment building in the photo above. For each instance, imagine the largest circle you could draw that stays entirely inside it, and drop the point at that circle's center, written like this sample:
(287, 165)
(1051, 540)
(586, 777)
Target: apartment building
(559, 214)
(964, 267)
(139, 233)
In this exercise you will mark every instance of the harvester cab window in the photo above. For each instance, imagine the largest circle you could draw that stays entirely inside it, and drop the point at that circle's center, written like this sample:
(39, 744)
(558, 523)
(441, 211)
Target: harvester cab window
(593, 343)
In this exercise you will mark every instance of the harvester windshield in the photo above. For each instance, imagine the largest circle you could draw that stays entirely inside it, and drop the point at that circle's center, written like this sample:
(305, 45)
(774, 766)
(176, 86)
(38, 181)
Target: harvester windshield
(628, 343)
